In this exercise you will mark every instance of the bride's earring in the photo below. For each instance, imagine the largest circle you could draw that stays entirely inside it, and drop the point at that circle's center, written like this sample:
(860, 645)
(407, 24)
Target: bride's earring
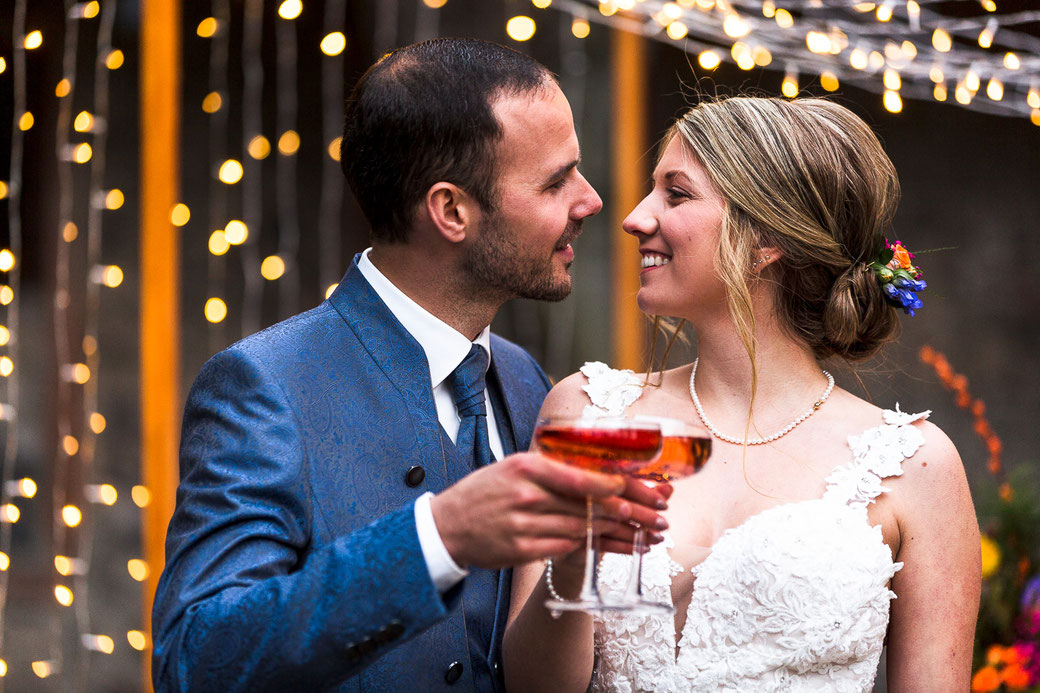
(759, 261)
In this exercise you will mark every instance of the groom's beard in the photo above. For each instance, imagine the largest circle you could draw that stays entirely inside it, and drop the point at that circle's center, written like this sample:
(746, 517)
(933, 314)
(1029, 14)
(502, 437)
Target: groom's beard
(498, 263)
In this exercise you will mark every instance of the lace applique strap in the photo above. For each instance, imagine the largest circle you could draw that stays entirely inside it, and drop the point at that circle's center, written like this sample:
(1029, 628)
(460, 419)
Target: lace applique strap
(878, 453)
(611, 390)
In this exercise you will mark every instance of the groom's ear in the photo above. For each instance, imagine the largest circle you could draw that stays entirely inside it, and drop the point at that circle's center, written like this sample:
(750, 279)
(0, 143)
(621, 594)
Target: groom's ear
(451, 210)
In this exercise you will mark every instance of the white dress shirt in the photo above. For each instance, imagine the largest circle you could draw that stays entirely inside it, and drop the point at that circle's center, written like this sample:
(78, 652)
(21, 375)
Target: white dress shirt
(445, 349)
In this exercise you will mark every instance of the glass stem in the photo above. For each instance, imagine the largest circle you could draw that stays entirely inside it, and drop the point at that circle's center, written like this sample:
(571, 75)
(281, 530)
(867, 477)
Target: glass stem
(634, 592)
(590, 583)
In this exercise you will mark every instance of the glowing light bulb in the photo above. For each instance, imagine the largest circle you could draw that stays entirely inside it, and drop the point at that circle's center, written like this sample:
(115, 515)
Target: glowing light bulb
(941, 41)
(1034, 117)
(784, 19)
(972, 81)
(995, 89)
(768, 9)
(761, 56)
(3, 668)
(858, 59)
(332, 288)
(180, 214)
(62, 89)
(71, 515)
(78, 373)
(520, 28)
(334, 43)
(97, 423)
(5, 335)
(939, 92)
(608, 8)
(671, 11)
(6, 295)
(218, 244)
(26, 487)
(141, 496)
(272, 267)
(90, 9)
(236, 232)
(42, 668)
(875, 61)
(289, 143)
(735, 26)
(33, 40)
(98, 643)
(884, 13)
(207, 27)
(230, 172)
(112, 276)
(64, 596)
(789, 88)
(988, 5)
(290, 9)
(6, 366)
(891, 79)
(334, 148)
(69, 232)
(829, 81)
(63, 564)
(212, 102)
(741, 53)
(962, 94)
(114, 199)
(259, 147)
(138, 569)
(9, 512)
(893, 102)
(114, 59)
(6, 260)
(1033, 98)
(215, 310)
(818, 42)
(435, 4)
(5, 563)
(89, 345)
(936, 74)
(709, 60)
(84, 122)
(3, 65)
(985, 38)
(26, 121)
(541, 4)
(909, 49)
(1012, 62)
(4, 189)
(580, 28)
(70, 445)
(677, 30)
(82, 153)
(106, 494)
(137, 639)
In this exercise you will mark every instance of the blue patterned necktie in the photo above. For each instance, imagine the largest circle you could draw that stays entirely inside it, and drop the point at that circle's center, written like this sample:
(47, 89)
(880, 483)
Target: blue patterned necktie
(467, 386)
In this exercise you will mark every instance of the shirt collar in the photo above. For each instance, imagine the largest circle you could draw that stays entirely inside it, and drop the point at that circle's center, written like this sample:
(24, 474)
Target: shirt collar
(445, 346)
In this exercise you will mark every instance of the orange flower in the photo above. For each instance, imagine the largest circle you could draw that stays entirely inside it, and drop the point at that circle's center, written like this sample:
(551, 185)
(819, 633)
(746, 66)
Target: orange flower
(1015, 677)
(927, 355)
(978, 408)
(985, 680)
(995, 653)
(901, 255)
(994, 465)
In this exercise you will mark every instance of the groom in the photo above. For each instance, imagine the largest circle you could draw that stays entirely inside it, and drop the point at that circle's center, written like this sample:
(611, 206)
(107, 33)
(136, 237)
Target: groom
(339, 524)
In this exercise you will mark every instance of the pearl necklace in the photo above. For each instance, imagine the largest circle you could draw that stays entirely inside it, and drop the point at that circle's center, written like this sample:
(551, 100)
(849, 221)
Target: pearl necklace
(756, 441)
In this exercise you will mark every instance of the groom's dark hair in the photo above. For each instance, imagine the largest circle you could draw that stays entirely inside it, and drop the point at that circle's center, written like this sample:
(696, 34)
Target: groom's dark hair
(423, 114)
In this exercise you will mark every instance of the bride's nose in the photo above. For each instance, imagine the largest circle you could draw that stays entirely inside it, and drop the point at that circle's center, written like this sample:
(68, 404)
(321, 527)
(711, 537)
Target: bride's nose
(641, 221)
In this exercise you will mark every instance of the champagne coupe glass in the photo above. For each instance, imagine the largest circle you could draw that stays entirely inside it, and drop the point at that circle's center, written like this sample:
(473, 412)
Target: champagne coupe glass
(684, 450)
(609, 445)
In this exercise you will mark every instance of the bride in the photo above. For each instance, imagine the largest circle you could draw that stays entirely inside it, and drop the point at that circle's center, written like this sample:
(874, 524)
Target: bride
(823, 527)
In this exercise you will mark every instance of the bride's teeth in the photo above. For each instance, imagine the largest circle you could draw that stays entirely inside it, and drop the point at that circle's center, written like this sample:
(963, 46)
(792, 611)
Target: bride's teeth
(654, 261)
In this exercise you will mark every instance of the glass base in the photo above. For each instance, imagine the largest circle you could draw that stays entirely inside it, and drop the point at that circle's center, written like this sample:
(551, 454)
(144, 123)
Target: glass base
(591, 606)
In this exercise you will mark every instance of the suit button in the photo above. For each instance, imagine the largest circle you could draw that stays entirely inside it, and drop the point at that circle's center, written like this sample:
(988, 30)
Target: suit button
(414, 476)
(454, 672)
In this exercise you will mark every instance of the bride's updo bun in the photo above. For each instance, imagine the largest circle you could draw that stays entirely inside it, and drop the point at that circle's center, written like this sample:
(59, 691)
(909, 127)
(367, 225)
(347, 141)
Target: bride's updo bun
(809, 178)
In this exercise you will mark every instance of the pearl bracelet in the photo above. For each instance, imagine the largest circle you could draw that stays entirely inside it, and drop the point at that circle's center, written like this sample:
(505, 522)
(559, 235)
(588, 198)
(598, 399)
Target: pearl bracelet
(549, 581)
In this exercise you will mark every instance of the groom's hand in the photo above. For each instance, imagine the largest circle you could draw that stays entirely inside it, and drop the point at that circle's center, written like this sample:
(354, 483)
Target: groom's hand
(528, 507)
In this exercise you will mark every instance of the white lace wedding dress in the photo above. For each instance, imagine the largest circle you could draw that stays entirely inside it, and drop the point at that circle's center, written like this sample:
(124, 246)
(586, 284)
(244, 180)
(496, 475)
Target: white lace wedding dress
(794, 599)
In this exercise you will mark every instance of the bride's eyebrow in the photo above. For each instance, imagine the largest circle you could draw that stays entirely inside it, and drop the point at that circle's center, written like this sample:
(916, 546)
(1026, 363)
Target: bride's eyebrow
(674, 176)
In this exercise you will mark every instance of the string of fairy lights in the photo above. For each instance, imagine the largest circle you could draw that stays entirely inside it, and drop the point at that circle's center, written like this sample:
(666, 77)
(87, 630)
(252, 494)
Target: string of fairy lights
(79, 497)
(898, 48)
(241, 175)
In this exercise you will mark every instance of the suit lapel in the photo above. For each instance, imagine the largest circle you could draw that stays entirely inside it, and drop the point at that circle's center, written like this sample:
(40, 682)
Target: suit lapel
(401, 359)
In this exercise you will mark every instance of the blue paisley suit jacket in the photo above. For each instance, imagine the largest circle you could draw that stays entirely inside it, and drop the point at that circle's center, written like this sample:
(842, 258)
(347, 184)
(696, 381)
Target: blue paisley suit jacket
(292, 559)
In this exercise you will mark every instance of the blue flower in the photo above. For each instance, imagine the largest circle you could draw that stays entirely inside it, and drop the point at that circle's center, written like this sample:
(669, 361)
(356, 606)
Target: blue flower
(1031, 594)
(911, 284)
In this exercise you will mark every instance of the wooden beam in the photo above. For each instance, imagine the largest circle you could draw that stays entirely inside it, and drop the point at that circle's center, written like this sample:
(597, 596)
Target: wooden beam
(159, 282)
(630, 171)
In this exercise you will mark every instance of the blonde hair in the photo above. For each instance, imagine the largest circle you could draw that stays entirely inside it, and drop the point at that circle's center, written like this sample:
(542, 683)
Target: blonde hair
(809, 178)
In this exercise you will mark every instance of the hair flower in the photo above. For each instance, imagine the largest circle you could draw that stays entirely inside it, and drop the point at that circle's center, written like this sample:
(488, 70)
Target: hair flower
(900, 280)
